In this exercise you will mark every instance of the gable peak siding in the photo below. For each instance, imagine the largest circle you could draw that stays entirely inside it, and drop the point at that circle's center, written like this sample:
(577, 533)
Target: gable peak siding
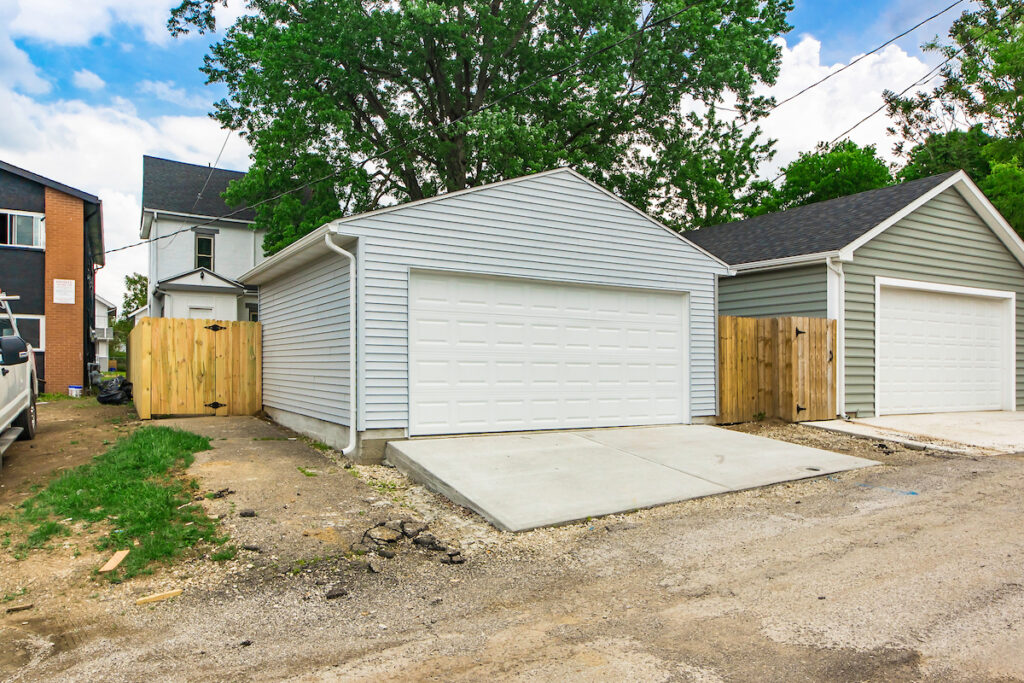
(553, 227)
(944, 241)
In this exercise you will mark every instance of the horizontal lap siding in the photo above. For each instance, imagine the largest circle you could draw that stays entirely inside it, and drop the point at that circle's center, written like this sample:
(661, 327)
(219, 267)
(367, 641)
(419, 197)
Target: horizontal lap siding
(305, 341)
(944, 241)
(799, 291)
(555, 227)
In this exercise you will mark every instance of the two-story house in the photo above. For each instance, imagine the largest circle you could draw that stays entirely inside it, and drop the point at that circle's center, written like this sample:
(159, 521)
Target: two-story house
(193, 260)
(104, 332)
(51, 245)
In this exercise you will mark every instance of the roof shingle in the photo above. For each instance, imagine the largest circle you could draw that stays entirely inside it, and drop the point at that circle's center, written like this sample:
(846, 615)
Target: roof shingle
(814, 228)
(172, 186)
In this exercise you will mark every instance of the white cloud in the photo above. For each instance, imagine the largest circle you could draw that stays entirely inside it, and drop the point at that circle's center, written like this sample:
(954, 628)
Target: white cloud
(830, 108)
(16, 69)
(76, 22)
(166, 91)
(87, 80)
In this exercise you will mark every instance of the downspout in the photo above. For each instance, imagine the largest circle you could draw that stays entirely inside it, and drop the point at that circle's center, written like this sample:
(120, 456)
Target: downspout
(352, 317)
(837, 268)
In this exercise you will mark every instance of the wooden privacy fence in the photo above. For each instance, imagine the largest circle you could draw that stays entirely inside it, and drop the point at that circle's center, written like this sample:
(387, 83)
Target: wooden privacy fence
(195, 367)
(777, 367)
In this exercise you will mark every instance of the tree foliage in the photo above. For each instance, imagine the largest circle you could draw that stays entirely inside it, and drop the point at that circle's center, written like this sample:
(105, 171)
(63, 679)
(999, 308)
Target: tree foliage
(825, 173)
(390, 99)
(135, 297)
(942, 152)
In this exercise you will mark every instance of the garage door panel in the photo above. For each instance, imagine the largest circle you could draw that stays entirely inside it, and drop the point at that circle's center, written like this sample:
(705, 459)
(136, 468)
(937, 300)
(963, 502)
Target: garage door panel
(940, 352)
(537, 355)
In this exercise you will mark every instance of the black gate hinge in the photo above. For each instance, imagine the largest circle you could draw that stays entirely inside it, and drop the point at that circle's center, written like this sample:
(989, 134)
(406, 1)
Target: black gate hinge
(799, 332)
(215, 327)
(800, 408)
(216, 404)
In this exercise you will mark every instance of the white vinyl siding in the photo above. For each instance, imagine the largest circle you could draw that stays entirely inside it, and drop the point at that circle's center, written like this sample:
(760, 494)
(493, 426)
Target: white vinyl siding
(552, 227)
(943, 242)
(799, 291)
(305, 319)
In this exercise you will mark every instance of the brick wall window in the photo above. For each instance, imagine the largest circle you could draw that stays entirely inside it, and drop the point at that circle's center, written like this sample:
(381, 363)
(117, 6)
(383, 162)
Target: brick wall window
(21, 229)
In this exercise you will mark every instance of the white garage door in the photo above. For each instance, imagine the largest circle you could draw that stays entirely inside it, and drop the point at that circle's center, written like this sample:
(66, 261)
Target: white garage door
(500, 354)
(941, 352)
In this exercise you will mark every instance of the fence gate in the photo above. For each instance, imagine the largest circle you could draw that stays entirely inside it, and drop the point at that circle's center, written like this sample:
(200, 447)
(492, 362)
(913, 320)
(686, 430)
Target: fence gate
(777, 367)
(195, 367)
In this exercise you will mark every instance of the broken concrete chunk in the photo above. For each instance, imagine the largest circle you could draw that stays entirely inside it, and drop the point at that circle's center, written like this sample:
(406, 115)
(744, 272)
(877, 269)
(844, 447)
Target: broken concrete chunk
(428, 541)
(383, 534)
(251, 547)
(375, 565)
(336, 592)
(247, 513)
(386, 552)
(413, 529)
(394, 525)
(359, 548)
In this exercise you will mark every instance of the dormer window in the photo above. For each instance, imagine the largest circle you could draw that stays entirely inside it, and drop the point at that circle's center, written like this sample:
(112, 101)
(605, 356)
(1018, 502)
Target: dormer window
(204, 251)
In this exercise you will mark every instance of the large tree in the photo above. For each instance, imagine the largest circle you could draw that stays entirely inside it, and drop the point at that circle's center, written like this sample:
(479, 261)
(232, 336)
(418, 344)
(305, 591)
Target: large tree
(974, 118)
(828, 172)
(389, 100)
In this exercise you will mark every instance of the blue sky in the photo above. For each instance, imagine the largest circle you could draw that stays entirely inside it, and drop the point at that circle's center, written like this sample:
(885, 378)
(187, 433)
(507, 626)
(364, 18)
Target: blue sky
(91, 86)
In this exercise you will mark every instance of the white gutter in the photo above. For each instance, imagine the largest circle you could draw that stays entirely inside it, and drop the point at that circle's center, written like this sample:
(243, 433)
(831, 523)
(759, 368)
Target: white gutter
(351, 340)
(785, 262)
(840, 315)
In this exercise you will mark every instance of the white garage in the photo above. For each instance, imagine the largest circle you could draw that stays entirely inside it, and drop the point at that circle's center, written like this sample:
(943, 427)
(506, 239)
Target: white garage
(943, 348)
(491, 354)
(538, 303)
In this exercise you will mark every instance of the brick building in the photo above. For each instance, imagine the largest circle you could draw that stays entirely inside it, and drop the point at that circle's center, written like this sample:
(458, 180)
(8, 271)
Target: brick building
(51, 245)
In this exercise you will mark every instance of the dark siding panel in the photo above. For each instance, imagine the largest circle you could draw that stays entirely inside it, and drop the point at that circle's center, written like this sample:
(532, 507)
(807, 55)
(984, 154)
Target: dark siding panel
(19, 194)
(21, 274)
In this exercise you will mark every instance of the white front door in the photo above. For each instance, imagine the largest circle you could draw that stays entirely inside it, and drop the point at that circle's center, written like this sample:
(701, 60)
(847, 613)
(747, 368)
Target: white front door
(492, 354)
(943, 349)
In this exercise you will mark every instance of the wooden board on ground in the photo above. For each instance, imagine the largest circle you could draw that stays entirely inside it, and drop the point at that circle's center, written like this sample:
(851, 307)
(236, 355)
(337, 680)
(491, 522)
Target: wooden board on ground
(114, 561)
(157, 597)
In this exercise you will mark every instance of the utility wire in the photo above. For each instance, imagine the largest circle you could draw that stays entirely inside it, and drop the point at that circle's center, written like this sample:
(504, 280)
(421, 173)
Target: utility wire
(859, 59)
(460, 119)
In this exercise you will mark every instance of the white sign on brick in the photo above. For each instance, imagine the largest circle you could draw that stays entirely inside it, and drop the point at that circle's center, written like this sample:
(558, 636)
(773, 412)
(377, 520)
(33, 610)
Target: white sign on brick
(63, 291)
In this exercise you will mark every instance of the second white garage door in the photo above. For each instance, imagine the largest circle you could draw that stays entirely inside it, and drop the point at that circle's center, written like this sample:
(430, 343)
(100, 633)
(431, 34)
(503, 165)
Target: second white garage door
(490, 354)
(943, 351)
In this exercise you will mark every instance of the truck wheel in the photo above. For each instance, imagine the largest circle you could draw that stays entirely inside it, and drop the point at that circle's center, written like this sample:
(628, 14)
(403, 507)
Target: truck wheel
(27, 421)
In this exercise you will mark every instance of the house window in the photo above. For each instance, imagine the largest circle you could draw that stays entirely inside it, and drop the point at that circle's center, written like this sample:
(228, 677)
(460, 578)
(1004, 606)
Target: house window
(254, 312)
(204, 251)
(21, 230)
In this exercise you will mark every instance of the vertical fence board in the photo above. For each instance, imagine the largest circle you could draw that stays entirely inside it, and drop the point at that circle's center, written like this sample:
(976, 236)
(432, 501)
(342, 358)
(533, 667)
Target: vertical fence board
(181, 366)
(768, 369)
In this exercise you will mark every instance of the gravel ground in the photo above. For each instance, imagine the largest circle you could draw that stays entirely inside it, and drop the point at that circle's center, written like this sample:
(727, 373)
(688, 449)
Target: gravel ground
(907, 571)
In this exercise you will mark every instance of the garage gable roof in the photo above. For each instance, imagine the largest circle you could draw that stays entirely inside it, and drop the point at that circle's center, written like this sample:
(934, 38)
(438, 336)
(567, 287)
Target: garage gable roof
(817, 228)
(312, 245)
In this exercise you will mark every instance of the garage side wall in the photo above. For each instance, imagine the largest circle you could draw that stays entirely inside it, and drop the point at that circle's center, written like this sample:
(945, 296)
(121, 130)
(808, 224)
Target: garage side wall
(305, 316)
(555, 227)
(799, 291)
(944, 241)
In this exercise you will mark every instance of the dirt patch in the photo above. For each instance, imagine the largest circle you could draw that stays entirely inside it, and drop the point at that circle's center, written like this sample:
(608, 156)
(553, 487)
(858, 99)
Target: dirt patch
(70, 433)
(909, 571)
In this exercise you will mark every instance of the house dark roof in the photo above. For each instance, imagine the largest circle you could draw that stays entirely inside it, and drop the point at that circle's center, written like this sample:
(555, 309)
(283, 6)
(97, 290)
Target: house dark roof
(172, 186)
(66, 189)
(811, 229)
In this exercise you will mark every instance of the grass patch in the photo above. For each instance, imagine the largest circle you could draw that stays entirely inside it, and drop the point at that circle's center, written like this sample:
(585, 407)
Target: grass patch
(136, 488)
(8, 597)
(51, 397)
(228, 552)
(308, 473)
(319, 445)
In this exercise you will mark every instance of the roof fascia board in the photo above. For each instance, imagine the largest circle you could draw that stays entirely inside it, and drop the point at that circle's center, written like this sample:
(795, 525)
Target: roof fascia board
(785, 262)
(207, 271)
(846, 253)
(176, 214)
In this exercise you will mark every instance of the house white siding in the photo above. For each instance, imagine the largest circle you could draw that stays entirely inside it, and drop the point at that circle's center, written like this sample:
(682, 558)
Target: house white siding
(553, 227)
(305, 316)
(237, 248)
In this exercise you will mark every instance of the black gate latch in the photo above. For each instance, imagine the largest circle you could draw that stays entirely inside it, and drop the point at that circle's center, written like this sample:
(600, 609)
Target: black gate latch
(216, 404)
(215, 327)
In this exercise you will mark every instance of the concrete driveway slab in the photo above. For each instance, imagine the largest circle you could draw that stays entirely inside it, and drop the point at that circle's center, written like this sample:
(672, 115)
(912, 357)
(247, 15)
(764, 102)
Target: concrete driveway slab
(987, 432)
(523, 481)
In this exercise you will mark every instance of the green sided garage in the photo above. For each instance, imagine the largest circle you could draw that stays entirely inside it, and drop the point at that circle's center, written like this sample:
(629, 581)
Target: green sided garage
(925, 279)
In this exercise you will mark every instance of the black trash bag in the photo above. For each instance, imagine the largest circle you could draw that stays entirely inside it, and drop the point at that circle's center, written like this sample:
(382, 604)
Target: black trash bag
(115, 392)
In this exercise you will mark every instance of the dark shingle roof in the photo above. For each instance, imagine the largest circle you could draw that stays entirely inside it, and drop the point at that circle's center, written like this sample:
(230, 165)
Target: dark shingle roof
(173, 186)
(811, 229)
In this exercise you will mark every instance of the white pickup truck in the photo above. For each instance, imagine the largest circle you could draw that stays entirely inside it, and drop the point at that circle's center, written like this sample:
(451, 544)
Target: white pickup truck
(18, 384)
